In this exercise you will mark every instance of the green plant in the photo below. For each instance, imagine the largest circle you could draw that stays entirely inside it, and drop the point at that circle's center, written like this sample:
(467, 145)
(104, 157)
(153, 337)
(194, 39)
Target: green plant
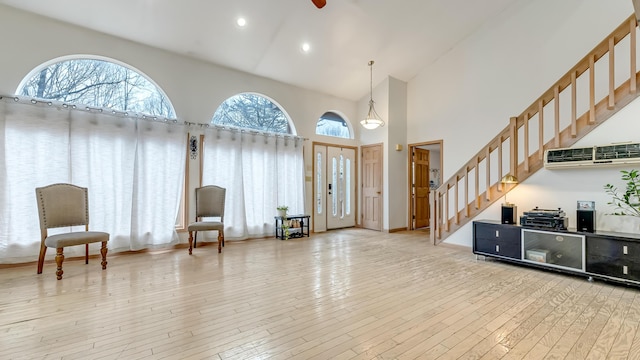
(285, 229)
(282, 207)
(627, 202)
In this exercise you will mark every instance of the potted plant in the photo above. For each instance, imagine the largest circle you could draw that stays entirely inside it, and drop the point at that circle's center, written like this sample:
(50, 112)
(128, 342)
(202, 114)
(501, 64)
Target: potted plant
(626, 217)
(627, 202)
(282, 210)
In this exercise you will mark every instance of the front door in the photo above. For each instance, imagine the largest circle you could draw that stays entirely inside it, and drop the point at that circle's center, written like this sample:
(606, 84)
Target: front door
(341, 188)
(372, 187)
(334, 187)
(421, 187)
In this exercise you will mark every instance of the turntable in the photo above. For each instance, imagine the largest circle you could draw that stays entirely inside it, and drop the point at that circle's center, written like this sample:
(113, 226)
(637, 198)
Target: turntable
(555, 219)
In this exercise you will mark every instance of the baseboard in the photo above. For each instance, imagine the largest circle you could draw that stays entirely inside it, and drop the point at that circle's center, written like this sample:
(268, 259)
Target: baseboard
(455, 246)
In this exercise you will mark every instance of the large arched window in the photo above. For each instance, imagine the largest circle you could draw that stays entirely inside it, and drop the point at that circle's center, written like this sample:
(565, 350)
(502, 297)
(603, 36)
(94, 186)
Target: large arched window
(97, 83)
(332, 124)
(253, 111)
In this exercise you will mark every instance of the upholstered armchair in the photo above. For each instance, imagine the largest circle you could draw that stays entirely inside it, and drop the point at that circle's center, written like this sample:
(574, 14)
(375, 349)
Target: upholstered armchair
(66, 205)
(209, 204)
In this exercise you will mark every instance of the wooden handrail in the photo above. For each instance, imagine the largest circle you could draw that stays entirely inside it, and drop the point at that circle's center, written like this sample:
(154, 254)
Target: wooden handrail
(444, 222)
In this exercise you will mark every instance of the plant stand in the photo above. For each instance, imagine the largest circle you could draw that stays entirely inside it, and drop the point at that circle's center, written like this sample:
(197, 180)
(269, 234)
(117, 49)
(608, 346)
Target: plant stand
(294, 232)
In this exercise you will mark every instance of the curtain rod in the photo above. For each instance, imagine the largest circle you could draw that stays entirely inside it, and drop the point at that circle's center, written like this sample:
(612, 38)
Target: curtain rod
(63, 105)
(246, 131)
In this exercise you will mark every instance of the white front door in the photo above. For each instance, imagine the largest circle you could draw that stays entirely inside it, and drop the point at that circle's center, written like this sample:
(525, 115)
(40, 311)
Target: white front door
(340, 188)
(334, 186)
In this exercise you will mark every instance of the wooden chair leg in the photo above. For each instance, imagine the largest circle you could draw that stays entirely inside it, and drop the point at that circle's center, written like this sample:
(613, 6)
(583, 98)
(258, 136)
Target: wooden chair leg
(190, 242)
(219, 242)
(222, 232)
(59, 260)
(86, 253)
(103, 251)
(43, 251)
(195, 240)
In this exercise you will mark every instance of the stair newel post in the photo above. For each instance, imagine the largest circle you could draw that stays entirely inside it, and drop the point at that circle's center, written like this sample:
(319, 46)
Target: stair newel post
(433, 200)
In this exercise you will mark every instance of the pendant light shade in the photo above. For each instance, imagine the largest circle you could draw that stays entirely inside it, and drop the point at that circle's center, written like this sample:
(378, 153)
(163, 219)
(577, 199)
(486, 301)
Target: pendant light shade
(372, 120)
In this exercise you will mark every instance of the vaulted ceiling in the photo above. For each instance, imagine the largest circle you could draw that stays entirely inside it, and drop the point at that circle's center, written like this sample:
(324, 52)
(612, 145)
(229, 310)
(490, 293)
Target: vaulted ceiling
(402, 36)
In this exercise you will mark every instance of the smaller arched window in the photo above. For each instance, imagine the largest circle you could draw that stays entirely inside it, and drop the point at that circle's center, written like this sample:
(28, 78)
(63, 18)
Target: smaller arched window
(332, 124)
(252, 111)
(97, 83)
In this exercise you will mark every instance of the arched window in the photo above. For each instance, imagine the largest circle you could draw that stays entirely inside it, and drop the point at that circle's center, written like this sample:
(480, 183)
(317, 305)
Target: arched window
(97, 83)
(252, 111)
(332, 124)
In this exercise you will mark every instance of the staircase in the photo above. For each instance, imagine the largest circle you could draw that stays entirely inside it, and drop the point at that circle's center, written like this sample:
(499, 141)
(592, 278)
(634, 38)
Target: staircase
(596, 88)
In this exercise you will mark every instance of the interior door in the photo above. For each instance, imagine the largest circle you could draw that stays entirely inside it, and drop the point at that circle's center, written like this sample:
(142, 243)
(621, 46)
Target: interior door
(340, 164)
(421, 188)
(372, 187)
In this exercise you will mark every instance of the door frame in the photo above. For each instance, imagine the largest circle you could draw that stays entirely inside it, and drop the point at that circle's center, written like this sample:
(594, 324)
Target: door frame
(314, 179)
(410, 176)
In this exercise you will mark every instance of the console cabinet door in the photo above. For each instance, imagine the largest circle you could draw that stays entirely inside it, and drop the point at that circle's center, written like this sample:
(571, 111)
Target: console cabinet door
(613, 257)
(496, 240)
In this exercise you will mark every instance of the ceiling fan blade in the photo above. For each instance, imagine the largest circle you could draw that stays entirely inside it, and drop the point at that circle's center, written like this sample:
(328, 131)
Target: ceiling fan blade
(319, 3)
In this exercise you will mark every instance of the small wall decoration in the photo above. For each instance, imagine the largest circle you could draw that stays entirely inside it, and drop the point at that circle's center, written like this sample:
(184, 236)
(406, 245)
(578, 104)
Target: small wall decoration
(193, 147)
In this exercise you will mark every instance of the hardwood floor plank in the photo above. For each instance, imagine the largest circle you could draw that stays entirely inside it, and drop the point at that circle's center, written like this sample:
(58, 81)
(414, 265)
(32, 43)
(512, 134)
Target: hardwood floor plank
(566, 343)
(623, 342)
(347, 294)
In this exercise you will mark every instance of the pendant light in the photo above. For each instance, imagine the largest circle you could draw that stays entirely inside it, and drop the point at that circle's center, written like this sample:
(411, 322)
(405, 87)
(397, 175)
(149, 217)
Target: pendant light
(372, 120)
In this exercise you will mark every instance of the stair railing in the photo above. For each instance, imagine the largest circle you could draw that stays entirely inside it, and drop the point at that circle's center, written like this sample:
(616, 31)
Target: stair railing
(476, 185)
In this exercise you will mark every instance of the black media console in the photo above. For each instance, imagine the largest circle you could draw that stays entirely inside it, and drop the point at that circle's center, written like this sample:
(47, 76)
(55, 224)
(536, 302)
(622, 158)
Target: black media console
(602, 255)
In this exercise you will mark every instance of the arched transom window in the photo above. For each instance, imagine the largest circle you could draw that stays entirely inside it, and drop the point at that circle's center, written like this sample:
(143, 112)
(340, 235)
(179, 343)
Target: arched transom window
(252, 111)
(332, 124)
(97, 83)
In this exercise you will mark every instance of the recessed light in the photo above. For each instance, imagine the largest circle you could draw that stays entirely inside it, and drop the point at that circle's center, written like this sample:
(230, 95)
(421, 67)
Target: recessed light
(305, 47)
(241, 22)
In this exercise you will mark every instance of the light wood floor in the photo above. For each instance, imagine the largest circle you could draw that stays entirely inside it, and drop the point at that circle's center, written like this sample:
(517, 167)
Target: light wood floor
(349, 294)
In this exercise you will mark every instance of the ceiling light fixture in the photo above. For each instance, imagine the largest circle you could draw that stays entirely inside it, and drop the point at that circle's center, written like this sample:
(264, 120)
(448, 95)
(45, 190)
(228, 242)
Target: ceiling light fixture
(372, 120)
(306, 47)
(241, 22)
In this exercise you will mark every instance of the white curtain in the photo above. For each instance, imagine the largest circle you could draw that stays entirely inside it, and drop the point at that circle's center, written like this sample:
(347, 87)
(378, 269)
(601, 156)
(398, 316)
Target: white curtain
(133, 168)
(158, 183)
(260, 171)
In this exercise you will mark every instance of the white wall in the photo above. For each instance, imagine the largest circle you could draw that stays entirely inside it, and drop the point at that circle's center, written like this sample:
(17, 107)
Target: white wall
(469, 94)
(397, 211)
(194, 87)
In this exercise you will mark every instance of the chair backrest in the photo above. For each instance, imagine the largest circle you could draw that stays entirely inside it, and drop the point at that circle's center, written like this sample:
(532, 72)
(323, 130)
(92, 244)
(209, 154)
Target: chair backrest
(210, 201)
(62, 205)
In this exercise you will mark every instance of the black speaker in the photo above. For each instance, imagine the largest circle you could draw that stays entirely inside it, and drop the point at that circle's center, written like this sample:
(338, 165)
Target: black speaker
(586, 220)
(509, 214)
